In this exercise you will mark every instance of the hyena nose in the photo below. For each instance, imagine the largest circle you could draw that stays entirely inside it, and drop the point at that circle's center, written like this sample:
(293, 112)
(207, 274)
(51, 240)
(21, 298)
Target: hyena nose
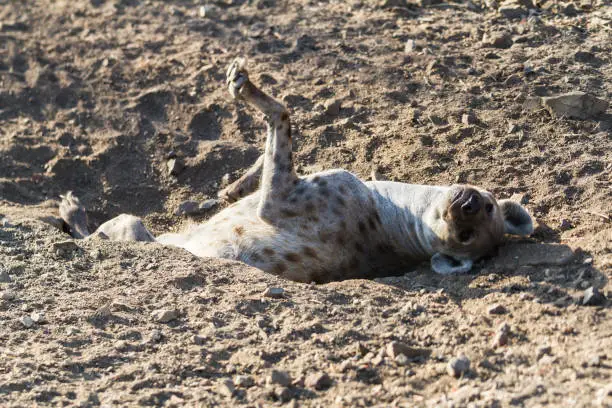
(472, 205)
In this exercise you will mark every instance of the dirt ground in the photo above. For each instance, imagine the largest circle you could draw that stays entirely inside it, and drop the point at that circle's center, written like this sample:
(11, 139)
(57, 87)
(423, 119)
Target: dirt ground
(97, 96)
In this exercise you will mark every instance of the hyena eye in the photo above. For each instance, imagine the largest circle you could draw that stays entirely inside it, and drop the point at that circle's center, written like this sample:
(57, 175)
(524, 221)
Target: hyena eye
(489, 208)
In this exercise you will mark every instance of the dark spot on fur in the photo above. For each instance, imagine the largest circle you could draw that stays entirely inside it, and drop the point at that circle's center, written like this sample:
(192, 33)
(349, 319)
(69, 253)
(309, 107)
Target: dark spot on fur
(340, 201)
(361, 226)
(300, 190)
(377, 217)
(256, 257)
(239, 229)
(293, 200)
(337, 212)
(342, 189)
(310, 252)
(284, 116)
(324, 191)
(384, 248)
(296, 181)
(371, 223)
(309, 207)
(321, 182)
(340, 239)
(288, 213)
(289, 132)
(240, 192)
(354, 264)
(359, 247)
(277, 158)
(343, 225)
(279, 268)
(292, 257)
(269, 251)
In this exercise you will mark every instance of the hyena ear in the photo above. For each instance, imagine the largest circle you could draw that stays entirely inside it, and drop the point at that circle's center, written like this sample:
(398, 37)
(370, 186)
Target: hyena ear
(517, 220)
(446, 265)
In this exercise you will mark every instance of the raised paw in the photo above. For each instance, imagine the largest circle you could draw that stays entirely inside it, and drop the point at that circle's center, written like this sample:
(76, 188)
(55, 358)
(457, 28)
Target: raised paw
(237, 76)
(74, 215)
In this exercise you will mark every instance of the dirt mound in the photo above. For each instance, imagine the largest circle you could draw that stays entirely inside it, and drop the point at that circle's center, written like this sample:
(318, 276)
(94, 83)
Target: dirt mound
(97, 97)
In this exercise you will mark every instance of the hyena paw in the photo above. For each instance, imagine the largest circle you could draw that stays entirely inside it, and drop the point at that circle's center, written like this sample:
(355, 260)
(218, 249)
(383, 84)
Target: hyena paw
(237, 76)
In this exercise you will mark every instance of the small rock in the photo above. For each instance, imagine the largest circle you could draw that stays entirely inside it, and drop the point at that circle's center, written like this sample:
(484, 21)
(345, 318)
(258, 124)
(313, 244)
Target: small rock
(208, 204)
(199, 339)
(501, 336)
(155, 336)
(498, 40)
(8, 295)
(593, 297)
(283, 393)
(410, 46)
(543, 351)
(318, 381)
(65, 246)
(208, 11)
(584, 56)
(226, 388)
(565, 224)
(225, 180)
(275, 293)
(281, 378)
(175, 166)
(521, 198)
(165, 315)
(38, 317)
(332, 107)
(468, 119)
(395, 348)
(570, 10)
(512, 11)
(458, 366)
(187, 207)
(27, 321)
(497, 309)
(5, 222)
(4, 276)
(401, 360)
(244, 381)
(577, 105)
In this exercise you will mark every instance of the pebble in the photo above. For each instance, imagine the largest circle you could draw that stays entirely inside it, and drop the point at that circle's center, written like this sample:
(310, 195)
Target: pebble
(27, 321)
(8, 295)
(396, 348)
(274, 293)
(593, 297)
(512, 11)
(410, 46)
(198, 339)
(318, 381)
(187, 207)
(65, 246)
(165, 315)
(279, 377)
(4, 276)
(401, 360)
(175, 166)
(543, 351)
(333, 106)
(501, 336)
(244, 381)
(37, 317)
(283, 393)
(576, 105)
(498, 40)
(5, 222)
(226, 387)
(497, 309)
(156, 335)
(458, 366)
(584, 56)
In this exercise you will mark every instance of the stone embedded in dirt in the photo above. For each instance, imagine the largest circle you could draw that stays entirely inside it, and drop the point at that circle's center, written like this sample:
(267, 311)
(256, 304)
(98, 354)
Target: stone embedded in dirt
(8, 295)
(395, 348)
(458, 366)
(274, 293)
(244, 381)
(501, 335)
(576, 105)
(38, 317)
(65, 246)
(208, 204)
(570, 10)
(593, 297)
(165, 315)
(4, 276)
(175, 166)
(512, 11)
(543, 351)
(199, 339)
(279, 377)
(410, 46)
(584, 56)
(401, 360)
(468, 118)
(497, 40)
(187, 207)
(27, 321)
(333, 106)
(283, 394)
(497, 309)
(226, 388)
(318, 381)
(5, 222)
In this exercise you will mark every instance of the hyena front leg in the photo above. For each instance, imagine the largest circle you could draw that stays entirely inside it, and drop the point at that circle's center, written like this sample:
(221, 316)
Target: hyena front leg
(245, 185)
